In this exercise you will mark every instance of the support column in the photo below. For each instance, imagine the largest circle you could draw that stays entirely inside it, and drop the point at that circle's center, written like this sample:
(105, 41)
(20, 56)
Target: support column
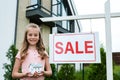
(108, 41)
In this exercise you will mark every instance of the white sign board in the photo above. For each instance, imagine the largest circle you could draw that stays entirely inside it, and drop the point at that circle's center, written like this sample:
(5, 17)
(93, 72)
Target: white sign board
(74, 48)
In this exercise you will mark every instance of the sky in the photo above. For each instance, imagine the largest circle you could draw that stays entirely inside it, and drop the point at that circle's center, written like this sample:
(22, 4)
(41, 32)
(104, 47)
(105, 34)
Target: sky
(85, 7)
(7, 25)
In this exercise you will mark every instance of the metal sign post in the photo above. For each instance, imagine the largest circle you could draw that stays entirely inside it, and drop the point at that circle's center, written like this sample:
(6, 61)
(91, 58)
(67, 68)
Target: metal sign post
(108, 41)
(78, 17)
(107, 16)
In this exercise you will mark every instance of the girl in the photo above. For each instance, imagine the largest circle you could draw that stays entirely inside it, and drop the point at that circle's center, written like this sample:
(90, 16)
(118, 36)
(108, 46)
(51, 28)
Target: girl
(32, 57)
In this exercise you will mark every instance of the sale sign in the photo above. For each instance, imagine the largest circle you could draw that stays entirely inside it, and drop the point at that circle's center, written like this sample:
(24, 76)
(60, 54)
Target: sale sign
(74, 48)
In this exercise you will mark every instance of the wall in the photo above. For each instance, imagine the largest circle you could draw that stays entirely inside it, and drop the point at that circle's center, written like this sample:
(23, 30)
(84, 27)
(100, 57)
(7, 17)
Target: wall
(45, 31)
(21, 22)
(46, 4)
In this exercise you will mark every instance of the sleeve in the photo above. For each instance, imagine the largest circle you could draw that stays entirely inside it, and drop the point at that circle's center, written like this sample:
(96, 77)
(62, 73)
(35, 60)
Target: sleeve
(18, 55)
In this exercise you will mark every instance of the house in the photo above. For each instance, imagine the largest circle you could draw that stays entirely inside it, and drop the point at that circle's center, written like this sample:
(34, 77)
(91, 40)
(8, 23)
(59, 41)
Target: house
(33, 10)
(116, 57)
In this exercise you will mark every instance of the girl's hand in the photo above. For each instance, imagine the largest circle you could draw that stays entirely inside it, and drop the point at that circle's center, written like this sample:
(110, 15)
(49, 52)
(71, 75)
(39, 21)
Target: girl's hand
(36, 74)
(42, 73)
(28, 74)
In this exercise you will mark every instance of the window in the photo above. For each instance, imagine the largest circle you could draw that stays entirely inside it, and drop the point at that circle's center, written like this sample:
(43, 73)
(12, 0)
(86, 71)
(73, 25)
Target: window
(56, 8)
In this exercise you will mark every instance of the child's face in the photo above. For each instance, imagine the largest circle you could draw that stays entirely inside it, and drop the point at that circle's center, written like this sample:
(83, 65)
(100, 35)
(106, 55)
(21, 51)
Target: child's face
(33, 36)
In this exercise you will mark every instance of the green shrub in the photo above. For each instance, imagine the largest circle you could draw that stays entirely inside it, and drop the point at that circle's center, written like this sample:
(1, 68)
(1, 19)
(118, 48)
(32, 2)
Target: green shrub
(8, 67)
(116, 76)
(54, 73)
(66, 72)
(98, 71)
(78, 75)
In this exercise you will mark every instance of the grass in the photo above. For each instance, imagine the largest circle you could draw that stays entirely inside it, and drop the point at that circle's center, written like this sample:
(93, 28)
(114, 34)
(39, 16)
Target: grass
(116, 69)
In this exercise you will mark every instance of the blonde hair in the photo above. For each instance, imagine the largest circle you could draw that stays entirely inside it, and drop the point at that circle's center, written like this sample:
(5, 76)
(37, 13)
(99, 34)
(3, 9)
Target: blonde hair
(40, 46)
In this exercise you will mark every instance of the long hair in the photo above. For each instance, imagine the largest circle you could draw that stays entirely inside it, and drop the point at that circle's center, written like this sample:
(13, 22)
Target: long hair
(39, 46)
